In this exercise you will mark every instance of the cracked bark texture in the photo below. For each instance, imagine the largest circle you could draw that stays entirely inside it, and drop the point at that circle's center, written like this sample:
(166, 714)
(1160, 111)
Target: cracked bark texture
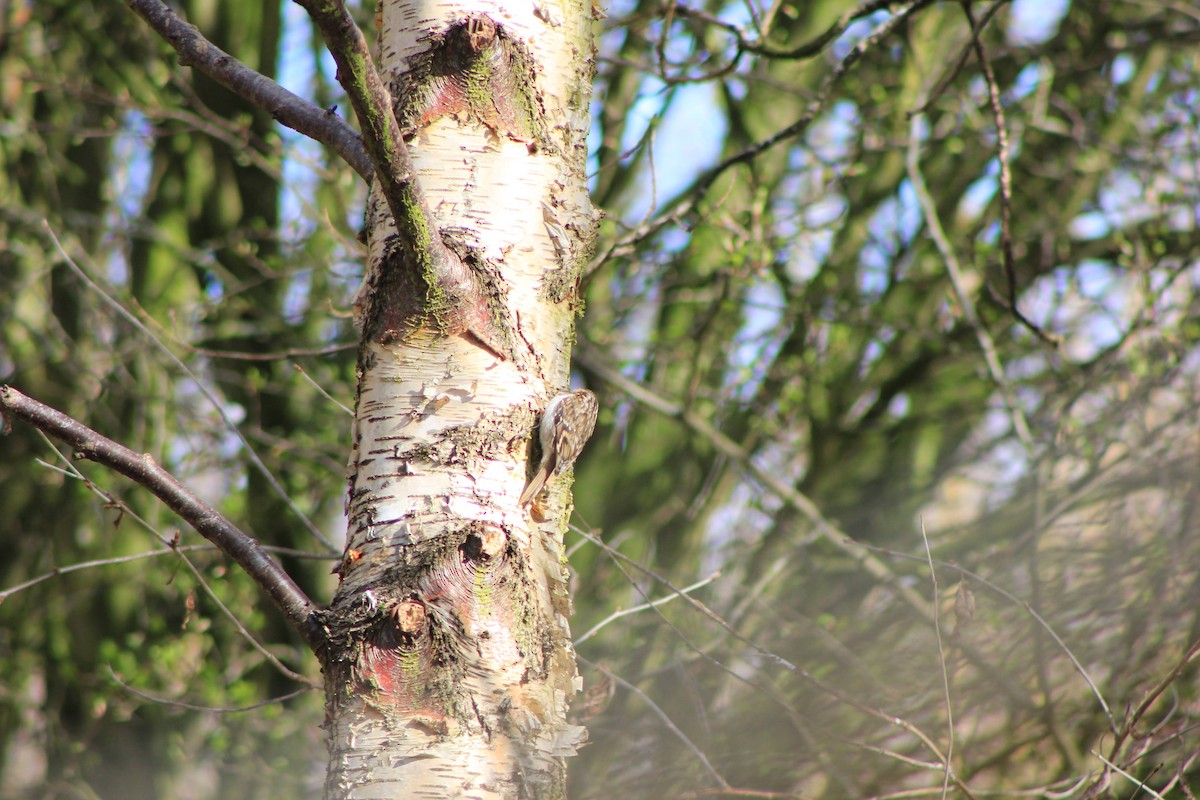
(450, 665)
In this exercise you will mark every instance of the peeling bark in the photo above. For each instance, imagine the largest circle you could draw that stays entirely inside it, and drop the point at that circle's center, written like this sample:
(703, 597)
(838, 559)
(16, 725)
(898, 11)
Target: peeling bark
(449, 665)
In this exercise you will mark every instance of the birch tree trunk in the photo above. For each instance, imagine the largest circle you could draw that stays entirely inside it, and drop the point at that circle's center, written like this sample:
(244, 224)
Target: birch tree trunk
(450, 664)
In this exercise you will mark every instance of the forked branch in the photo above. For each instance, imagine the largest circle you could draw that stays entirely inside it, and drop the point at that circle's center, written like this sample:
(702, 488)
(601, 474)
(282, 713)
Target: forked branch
(381, 133)
(287, 108)
(380, 151)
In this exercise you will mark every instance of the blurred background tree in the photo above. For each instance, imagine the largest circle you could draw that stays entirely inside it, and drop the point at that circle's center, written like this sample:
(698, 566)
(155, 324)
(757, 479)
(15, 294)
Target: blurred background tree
(229, 245)
(894, 327)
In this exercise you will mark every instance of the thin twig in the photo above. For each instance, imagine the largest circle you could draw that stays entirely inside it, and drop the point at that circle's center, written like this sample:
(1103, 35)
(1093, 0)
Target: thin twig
(881, 32)
(99, 562)
(1002, 154)
(809, 49)
(937, 630)
(321, 390)
(959, 62)
(172, 545)
(769, 691)
(736, 792)
(74, 473)
(666, 720)
(766, 690)
(1066, 744)
(210, 709)
(903, 759)
(1127, 728)
(278, 355)
(618, 556)
(1140, 784)
(616, 615)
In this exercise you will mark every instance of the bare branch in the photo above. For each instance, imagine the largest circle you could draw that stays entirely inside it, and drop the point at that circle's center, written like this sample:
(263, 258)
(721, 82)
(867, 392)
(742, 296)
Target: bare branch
(1135, 717)
(381, 133)
(1140, 784)
(987, 346)
(809, 49)
(958, 63)
(769, 691)
(294, 352)
(1003, 157)
(420, 244)
(172, 543)
(242, 548)
(618, 558)
(288, 109)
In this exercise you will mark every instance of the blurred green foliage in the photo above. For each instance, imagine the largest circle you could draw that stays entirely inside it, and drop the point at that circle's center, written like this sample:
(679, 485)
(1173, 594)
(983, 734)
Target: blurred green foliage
(803, 309)
(167, 192)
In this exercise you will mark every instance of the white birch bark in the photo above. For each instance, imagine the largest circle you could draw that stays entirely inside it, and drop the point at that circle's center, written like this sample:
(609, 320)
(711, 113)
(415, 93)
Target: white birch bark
(451, 667)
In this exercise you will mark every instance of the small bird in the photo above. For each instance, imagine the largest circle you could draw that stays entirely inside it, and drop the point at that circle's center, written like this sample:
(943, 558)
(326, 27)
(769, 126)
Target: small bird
(566, 426)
